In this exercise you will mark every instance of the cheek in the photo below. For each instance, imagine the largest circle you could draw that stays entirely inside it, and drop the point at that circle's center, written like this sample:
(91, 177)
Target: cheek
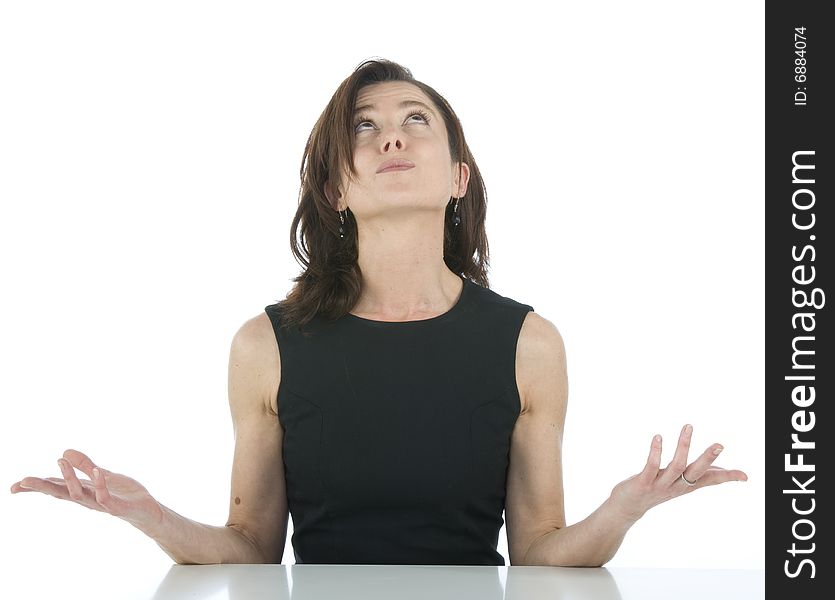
(365, 161)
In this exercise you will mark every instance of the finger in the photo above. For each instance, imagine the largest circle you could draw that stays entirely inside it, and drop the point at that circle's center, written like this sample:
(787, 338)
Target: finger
(717, 475)
(55, 488)
(87, 485)
(18, 487)
(74, 488)
(679, 461)
(650, 471)
(697, 468)
(80, 461)
(100, 486)
(734, 473)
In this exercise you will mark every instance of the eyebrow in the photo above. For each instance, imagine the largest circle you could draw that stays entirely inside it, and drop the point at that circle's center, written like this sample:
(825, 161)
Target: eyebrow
(403, 104)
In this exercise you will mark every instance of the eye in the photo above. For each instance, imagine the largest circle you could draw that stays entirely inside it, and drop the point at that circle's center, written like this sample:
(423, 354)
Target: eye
(362, 119)
(419, 113)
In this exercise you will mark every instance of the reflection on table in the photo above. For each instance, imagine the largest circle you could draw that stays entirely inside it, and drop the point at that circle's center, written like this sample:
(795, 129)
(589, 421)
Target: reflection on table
(407, 582)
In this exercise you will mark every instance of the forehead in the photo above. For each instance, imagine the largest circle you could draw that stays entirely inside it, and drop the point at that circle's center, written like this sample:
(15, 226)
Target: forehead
(390, 93)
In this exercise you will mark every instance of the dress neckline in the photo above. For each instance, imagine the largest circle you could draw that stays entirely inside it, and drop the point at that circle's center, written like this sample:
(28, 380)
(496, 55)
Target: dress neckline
(441, 317)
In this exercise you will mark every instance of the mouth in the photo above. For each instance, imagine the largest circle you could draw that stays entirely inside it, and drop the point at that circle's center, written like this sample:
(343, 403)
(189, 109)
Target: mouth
(398, 164)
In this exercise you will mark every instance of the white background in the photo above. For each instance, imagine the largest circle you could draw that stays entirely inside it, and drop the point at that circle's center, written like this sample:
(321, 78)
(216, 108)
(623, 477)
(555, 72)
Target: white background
(149, 160)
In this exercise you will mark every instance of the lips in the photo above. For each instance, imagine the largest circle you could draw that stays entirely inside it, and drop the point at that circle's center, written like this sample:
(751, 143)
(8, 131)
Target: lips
(397, 164)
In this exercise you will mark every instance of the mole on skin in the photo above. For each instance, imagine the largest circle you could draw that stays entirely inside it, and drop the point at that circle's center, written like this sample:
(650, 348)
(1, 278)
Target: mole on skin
(237, 500)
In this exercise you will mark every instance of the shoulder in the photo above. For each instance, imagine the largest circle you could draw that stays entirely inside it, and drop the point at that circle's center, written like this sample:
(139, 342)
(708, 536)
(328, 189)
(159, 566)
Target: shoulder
(254, 336)
(255, 357)
(539, 333)
(540, 359)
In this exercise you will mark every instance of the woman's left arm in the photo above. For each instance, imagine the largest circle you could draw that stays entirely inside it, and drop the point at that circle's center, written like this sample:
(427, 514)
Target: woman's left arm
(595, 540)
(534, 509)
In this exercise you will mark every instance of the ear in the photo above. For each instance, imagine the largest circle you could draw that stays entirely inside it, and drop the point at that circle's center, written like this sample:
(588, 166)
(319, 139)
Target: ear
(460, 180)
(333, 197)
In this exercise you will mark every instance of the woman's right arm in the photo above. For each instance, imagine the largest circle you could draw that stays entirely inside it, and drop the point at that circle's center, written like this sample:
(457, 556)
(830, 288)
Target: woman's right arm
(257, 526)
(258, 515)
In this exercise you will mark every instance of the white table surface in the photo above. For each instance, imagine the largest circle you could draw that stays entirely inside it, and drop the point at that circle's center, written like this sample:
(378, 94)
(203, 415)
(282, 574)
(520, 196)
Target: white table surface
(373, 582)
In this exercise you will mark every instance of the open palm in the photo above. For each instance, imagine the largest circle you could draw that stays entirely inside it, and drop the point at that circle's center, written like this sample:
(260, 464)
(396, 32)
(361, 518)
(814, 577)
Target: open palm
(113, 493)
(654, 485)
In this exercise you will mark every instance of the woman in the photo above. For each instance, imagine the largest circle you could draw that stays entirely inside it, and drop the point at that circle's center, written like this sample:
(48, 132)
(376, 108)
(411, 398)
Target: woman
(393, 403)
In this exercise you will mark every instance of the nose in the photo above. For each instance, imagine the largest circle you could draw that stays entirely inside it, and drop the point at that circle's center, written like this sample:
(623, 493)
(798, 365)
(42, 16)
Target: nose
(390, 139)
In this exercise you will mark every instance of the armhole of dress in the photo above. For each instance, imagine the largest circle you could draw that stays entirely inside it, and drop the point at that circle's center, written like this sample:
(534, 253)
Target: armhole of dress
(277, 339)
(527, 309)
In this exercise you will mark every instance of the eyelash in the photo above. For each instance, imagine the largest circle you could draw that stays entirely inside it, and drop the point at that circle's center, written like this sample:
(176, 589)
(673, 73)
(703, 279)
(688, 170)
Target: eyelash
(362, 118)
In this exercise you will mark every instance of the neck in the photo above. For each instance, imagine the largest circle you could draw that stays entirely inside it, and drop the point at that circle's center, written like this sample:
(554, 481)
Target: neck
(404, 276)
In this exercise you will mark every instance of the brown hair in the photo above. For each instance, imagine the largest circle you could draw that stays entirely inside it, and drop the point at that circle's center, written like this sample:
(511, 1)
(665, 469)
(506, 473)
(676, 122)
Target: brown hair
(331, 282)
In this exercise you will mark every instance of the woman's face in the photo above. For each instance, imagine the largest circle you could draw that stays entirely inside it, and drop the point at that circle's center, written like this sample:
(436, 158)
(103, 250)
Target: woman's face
(386, 128)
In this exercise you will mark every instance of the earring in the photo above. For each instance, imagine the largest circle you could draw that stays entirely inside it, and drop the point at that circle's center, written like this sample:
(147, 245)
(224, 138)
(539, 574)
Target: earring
(456, 220)
(342, 225)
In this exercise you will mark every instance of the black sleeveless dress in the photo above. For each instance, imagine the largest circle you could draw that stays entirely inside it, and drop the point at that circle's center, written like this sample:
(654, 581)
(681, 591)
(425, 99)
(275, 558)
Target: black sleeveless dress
(397, 434)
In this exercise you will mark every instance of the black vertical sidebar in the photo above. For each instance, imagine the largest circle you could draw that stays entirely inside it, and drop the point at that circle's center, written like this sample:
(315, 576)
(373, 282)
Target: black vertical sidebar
(799, 366)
